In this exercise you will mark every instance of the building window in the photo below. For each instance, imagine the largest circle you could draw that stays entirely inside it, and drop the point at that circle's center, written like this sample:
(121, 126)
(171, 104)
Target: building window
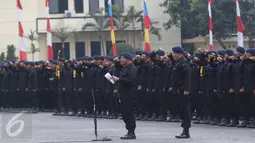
(93, 5)
(95, 48)
(119, 3)
(79, 49)
(58, 6)
(78, 4)
(57, 51)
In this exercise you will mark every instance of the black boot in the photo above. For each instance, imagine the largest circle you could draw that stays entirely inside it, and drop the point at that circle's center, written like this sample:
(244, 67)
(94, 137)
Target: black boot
(252, 125)
(198, 121)
(161, 118)
(206, 121)
(153, 118)
(129, 136)
(184, 135)
(73, 114)
(225, 122)
(244, 124)
(56, 114)
(146, 117)
(234, 123)
(139, 117)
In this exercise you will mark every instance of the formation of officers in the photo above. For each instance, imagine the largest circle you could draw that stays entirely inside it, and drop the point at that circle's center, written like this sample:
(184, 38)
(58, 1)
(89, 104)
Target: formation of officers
(217, 87)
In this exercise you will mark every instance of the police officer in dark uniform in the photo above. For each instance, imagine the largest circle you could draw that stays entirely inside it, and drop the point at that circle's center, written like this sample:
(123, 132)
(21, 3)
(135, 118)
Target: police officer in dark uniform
(126, 90)
(181, 85)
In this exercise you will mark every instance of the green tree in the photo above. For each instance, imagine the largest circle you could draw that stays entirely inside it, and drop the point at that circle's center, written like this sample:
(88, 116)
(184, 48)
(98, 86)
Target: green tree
(192, 16)
(62, 34)
(32, 37)
(11, 49)
(99, 24)
(133, 17)
(119, 21)
(2, 57)
(123, 47)
(154, 29)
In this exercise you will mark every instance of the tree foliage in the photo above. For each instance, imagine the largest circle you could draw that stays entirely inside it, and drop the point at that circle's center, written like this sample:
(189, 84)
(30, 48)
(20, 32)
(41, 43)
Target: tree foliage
(123, 47)
(192, 16)
(32, 37)
(120, 22)
(11, 49)
(99, 24)
(133, 17)
(2, 57)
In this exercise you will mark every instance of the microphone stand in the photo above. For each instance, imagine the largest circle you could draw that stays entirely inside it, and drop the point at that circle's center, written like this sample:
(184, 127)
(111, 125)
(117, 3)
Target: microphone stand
(95, 120)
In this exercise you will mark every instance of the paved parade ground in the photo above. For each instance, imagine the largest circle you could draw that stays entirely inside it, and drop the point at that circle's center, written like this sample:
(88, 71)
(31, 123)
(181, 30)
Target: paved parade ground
(55, 129)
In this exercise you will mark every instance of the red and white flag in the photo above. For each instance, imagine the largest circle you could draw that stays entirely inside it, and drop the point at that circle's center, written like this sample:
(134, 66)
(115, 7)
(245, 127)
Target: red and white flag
(210, 24)
(240, 26)
(48, 29)
(22, 46)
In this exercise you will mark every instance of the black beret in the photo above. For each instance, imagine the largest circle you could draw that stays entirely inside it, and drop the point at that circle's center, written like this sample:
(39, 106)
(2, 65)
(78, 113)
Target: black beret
(221, 52)
(240, 49)
(230, 52)
(61, 59)
(178, 49)
(146, 54)
(127, 55)
(160, 52)
(139, 53)
(90, 58)
(251, 51)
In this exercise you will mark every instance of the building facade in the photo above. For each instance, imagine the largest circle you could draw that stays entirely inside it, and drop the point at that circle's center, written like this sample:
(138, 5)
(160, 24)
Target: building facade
(203, 43)
(72, 15)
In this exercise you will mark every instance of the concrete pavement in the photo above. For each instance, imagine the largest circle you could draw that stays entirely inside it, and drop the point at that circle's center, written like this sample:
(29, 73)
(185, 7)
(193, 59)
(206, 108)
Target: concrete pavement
(55, 129)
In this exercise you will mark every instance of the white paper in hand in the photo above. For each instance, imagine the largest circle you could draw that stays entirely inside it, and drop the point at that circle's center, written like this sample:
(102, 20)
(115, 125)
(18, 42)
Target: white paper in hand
(109, 77)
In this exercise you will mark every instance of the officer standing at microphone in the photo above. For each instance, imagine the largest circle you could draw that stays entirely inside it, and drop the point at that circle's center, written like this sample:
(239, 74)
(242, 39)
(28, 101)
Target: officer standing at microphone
(127, 89)
(181, 86)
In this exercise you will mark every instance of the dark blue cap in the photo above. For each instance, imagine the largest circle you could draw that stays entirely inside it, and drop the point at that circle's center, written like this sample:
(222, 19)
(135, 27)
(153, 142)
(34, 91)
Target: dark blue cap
(146, 54)
(160, 52)
(110, 58)
(127, 55)
(240, 49)
(61, 59)
(54, 62)
(90, 58)
(251, 51)
(230, 52)
(139, 53)
(221, 52)
(178, 49)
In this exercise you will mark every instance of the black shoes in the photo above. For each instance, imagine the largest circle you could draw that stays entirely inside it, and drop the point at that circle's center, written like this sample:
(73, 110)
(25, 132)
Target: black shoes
(234, 123)
(56, 114)
(184, 135)
(161, 118)
(129, 136)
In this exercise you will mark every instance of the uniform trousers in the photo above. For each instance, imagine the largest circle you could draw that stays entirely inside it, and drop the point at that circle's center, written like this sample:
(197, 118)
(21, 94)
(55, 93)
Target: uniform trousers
(128, 109)
(81, 101)
(114, 107)
(185, 112)
(233, 106)
(160, 102)
(139, 102)
(89, 101)
(214, 105)
(98, 99)
(34, 99)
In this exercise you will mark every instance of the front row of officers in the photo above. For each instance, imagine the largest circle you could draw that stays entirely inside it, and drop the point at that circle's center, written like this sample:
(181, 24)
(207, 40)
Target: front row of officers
(218, 88)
